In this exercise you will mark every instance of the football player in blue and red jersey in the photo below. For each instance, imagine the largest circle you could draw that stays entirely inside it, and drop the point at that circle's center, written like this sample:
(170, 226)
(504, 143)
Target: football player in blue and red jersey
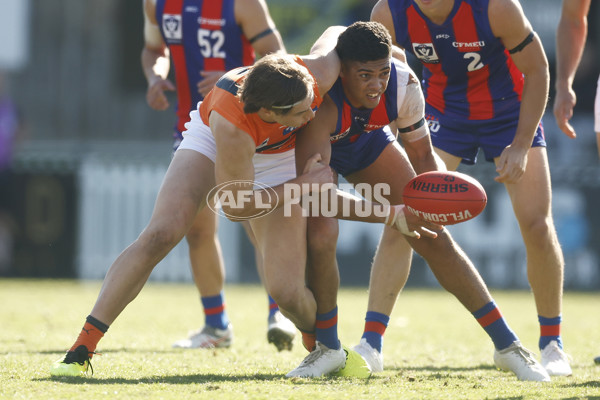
(486, 85)
(375, 99)
(203, 39)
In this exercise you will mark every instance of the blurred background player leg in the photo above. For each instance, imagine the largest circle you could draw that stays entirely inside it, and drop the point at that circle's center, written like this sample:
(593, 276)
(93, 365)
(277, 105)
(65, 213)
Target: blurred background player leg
(209, 276)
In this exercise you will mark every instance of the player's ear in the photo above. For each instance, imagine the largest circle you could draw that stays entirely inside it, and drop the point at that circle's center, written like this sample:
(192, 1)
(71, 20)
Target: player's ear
(266, 114)
(343, 70)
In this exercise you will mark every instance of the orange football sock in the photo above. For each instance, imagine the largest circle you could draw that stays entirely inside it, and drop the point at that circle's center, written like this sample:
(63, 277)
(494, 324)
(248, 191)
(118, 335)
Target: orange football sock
(309, 340)
(89, 337)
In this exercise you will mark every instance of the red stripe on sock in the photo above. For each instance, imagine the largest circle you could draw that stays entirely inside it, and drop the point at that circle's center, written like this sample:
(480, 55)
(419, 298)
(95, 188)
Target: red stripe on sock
(374, 326)
(214, 310)
(327, 323)
(550, 330)
(490, 318)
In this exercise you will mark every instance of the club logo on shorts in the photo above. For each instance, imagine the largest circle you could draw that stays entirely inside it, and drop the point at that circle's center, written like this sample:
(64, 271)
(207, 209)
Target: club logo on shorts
(172, 27)
(426, 53)
(433, 123)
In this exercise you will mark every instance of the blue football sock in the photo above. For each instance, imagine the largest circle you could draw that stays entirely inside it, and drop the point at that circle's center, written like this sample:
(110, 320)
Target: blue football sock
(490, 318)
(549, 331)
(326, 329)
(375, 326)
(214, 311)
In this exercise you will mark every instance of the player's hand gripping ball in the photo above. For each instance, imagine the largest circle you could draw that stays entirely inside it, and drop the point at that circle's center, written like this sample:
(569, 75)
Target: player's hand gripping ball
(444, 197)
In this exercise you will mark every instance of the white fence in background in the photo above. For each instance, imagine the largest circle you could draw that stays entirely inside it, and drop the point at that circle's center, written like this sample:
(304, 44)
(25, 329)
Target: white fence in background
(116, 201)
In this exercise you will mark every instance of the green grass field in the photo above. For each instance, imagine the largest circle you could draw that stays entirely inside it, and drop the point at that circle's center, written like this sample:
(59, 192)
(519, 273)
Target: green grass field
(433, 348)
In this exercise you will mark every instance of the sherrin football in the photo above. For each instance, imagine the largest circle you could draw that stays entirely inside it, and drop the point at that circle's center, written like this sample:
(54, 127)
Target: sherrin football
(444, 197)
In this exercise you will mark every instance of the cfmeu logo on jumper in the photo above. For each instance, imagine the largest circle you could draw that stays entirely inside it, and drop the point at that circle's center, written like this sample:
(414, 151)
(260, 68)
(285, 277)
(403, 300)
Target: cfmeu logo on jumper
(239, 194)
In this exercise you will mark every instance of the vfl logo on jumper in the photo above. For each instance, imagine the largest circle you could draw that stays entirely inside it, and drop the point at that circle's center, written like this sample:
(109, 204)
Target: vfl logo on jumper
(172, 26)
(232, 197)
(426, 52)
(433, 122)
(442, 218)
(442, 36)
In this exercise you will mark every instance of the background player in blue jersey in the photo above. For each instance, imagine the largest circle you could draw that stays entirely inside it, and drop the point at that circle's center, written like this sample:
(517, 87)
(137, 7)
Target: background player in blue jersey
(204, 39)
(355, 130)
(486, 84)
(571, 36)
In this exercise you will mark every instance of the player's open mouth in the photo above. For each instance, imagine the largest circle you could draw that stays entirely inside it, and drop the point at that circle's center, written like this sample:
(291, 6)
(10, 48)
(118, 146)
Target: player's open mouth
(373, 95)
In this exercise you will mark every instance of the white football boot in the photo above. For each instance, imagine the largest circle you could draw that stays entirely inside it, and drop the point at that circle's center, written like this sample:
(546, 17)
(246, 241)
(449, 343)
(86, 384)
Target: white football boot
(321, 361)
(555, 360)
(207, 338)
(519, 360)
(373, 358)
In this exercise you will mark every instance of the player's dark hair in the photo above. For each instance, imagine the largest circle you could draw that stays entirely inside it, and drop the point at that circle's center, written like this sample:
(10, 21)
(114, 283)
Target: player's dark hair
(276, 82)
(364, 41)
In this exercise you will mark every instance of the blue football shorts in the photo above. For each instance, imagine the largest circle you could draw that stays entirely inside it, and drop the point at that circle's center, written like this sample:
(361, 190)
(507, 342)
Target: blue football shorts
(463, 138)
(357, 152)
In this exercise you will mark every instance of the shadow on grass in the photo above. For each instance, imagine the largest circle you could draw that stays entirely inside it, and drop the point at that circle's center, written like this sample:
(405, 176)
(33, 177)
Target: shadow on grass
(588, 384)
(173, 379)
(198, 379)
(445, 368)
(112, 350)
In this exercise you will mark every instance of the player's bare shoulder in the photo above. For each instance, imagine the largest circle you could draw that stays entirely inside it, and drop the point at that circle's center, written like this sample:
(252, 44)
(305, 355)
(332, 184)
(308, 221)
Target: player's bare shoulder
(508, 21)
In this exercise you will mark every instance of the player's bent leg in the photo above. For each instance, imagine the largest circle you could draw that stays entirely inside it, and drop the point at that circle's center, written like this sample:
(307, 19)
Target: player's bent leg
(453, 269)
(456, 274)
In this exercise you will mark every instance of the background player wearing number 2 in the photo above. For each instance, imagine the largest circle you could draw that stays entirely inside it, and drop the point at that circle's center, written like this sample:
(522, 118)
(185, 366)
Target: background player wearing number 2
(486, 83)
(204, 39)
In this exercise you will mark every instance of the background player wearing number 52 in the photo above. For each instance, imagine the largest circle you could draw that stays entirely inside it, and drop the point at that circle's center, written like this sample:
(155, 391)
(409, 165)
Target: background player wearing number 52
(204, 39)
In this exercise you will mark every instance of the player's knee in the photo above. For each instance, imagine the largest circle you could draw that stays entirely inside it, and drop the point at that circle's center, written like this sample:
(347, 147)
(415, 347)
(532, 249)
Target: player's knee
(286, 297)
(322, 235)
(538, 229)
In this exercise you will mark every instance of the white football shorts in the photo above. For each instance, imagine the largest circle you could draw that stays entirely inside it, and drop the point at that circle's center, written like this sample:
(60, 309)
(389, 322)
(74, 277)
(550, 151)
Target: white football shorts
(269, 169)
